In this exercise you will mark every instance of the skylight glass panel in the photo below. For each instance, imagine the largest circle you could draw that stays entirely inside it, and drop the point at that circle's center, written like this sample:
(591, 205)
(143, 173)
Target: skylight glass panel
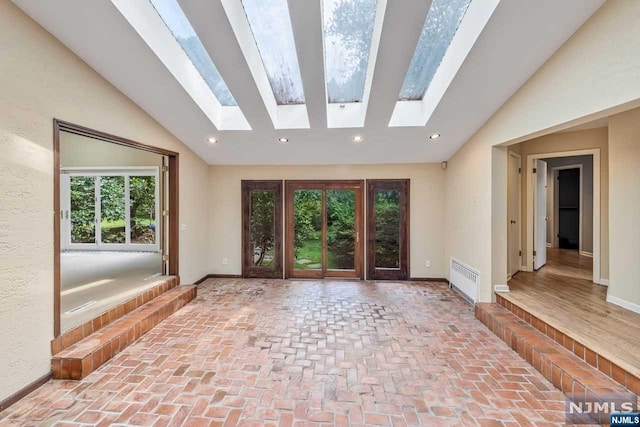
(440, 27)
(175, 19)
(348, 30)
(271, 27)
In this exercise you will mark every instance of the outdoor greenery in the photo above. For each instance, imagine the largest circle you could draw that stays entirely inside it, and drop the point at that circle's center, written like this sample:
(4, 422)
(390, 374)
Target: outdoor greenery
(341, 227)
(142, 196)
(307, 228)
(83, 209)
(262, 227)
(387, 237)
(112, 209)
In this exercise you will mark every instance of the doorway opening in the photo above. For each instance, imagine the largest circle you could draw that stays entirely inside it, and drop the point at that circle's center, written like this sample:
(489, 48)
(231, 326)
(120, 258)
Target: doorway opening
(566, 213)
(324, 229)
(116, 222)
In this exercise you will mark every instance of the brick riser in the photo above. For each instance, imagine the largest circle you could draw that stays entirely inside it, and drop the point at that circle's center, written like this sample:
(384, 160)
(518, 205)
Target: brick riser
(77, 334)
(84, 357)
(562, 368)
(594, 359)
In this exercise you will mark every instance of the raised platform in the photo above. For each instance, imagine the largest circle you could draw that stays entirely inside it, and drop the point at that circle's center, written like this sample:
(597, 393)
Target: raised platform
(83, 357)
(78, 333)
(570, 374)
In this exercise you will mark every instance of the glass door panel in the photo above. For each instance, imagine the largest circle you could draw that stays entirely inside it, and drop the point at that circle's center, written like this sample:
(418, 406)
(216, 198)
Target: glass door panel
(387, 228)
(263, 231)
(82, 209)
(142, 209)
(112, 210)
(341, 229)
(307, 229)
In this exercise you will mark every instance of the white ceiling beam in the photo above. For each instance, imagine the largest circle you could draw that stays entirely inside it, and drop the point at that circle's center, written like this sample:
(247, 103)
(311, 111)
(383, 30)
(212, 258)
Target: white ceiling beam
(306, 19)
(400, 33)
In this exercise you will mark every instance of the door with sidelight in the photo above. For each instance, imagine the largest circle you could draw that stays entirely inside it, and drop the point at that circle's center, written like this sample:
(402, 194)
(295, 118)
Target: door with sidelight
(324, 229)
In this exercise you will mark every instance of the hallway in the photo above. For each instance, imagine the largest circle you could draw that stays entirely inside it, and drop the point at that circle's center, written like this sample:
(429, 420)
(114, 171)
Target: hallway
(322, 352)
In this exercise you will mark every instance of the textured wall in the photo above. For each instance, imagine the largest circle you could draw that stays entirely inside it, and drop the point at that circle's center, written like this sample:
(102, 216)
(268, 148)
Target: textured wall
(594, 72)
(426, 199)
(624, 152)
(40, 79)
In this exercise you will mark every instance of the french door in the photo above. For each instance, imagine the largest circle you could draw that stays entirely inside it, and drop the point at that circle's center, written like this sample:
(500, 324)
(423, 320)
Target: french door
(388, 229)
(110, 209)
(324, 229)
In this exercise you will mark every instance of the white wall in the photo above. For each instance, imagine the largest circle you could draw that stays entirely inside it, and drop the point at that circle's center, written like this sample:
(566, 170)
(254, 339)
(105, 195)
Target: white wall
(426, 208)
(80, 151)
(594, 74)
(40, 80)
(624, 209)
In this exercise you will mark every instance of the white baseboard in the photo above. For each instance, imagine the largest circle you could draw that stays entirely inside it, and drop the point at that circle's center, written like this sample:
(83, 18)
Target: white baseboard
(549, 245)
(587, 254)
(625, 304)
(524, 268)
(603, 282)
(501, 288)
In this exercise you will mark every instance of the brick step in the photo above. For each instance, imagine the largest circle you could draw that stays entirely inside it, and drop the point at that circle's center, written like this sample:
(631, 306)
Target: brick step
(567, 372)
(87, 355)
(587, 353)
(77, 334)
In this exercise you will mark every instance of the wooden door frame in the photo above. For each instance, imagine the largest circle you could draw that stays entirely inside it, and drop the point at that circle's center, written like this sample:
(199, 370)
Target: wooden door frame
(248, 270)
(173, 190)
(518, 216)
(359, 255)
(402, 273)
(529, 214)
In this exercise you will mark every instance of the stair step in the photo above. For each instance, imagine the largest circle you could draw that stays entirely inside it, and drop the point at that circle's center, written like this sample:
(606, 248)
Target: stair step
(87, 355)
(77, 334)
(567, 372)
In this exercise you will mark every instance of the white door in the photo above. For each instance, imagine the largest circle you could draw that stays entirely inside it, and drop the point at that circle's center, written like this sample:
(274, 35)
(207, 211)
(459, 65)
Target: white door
(513, 213)
(540, 210)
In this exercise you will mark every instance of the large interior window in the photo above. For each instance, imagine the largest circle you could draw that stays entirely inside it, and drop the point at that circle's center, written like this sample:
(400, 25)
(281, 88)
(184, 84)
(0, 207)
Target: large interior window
(116, 224)
(387, 229)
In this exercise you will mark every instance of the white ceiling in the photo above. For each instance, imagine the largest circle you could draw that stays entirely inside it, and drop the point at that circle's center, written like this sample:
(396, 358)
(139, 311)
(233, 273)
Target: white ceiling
(518, 38)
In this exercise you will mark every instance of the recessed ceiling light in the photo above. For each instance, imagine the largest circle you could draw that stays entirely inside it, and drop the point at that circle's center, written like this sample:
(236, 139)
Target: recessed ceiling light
(283, 140)
(358, 138)
(212, 140)
(435, 136)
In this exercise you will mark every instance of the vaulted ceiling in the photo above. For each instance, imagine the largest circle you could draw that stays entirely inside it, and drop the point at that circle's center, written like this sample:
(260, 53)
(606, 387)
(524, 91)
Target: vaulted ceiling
(280, 72)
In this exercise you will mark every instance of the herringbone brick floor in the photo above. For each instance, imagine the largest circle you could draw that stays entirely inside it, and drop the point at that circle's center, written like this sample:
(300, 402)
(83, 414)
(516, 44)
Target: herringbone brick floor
(307, 353)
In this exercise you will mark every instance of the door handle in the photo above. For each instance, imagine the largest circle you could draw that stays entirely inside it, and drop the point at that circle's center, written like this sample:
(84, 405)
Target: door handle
(357, 237)
(513, 222)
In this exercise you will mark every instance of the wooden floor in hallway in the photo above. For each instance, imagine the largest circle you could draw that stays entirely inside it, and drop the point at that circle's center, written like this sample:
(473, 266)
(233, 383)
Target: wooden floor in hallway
(562, 294)
(307, 353)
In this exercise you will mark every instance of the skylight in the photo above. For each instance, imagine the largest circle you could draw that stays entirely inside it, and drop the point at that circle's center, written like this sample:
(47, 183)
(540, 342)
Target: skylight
(271, 27)
(440, 27)
(348, 31)
(175, 19)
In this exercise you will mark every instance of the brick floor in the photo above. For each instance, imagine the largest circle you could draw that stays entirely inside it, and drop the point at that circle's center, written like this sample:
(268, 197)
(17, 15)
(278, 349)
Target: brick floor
(305, 353)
